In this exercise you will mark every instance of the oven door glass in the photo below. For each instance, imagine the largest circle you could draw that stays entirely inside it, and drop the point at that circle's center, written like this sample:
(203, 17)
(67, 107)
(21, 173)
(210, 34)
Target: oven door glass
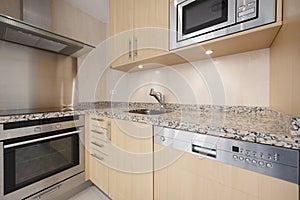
(31, 162)
(196, 17)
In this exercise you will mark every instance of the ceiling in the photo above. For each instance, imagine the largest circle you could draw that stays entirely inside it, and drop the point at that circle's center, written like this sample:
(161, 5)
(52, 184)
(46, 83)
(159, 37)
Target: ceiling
(96, 8)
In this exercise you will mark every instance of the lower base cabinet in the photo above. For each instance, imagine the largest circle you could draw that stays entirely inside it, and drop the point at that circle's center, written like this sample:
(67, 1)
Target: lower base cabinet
(99, 174)
(128, 166)
(121, 162)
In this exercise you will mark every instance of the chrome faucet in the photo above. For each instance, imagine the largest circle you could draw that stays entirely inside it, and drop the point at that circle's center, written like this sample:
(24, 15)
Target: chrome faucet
(158, 96)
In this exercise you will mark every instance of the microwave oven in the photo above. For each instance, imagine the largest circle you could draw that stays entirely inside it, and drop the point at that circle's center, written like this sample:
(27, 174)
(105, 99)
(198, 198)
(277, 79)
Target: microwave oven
(194, 21)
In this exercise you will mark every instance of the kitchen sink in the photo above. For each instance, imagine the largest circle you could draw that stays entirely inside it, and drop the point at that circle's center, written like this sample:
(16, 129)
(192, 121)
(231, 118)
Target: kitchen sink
(149, 111)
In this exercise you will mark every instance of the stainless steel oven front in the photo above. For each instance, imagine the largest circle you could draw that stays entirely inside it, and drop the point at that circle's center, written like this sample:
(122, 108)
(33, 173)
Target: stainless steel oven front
(38, 154)
(193, 21)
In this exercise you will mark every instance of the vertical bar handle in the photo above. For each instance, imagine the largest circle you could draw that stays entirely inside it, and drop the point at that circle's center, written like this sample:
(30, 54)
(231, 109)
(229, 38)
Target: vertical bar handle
(108, 130)
(129, 49)
(135, 47)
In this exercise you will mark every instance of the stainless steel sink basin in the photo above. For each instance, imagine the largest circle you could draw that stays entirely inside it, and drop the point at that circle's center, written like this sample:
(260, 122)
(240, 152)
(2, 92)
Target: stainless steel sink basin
(149, 111)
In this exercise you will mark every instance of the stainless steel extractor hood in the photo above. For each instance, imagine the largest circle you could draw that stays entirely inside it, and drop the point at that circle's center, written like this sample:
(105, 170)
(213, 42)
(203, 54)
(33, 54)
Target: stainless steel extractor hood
(23, 33)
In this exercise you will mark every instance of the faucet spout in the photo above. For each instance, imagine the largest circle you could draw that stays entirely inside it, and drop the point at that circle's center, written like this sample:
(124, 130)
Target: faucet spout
(158, 96)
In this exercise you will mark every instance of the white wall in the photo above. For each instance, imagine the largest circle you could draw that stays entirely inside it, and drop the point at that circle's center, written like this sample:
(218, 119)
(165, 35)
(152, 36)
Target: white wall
(241, 79)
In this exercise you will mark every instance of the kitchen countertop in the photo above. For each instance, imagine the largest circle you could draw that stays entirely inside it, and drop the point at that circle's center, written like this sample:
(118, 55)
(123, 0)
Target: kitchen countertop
(252, 124)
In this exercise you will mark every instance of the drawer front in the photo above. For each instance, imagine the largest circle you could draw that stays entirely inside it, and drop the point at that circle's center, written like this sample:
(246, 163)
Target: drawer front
(99, 145)
(98, 155)
(98, 133)
(97, 121)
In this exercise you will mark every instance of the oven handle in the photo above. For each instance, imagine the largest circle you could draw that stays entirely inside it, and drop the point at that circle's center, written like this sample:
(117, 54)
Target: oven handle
(39, 139)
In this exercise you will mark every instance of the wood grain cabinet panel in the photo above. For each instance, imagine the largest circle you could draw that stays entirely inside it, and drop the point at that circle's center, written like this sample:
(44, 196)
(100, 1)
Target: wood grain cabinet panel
(138, 30)
(131, 168)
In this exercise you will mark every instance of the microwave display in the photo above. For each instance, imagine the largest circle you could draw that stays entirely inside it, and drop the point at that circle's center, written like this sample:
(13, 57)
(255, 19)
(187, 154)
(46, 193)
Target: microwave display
(202, 14)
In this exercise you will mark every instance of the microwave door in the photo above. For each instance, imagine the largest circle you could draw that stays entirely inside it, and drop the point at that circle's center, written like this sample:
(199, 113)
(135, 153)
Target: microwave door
(197, 17)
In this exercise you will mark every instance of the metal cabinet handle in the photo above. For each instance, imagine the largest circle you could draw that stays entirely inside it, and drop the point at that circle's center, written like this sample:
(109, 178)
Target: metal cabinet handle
(98, 132)
(135, 47)
(98, 145)
(129, 49)
(97, 157)
(95, 119)
(108, 130)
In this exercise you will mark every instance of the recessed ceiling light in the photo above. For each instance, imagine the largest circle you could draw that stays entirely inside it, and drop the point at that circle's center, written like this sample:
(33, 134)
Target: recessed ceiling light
(208, 52)
(140, 66)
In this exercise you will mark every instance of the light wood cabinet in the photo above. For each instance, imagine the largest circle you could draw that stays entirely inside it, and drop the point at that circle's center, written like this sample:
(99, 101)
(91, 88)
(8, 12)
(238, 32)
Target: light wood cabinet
(187, 176)
(131, 168)
(96, 154)
(119, 157)
(138, 30)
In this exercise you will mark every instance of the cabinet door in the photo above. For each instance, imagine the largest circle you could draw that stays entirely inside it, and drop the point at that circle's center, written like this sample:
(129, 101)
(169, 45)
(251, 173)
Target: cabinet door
(99, 174)
(131, 168)
(121, 26)
(151, 28)
(187, 176)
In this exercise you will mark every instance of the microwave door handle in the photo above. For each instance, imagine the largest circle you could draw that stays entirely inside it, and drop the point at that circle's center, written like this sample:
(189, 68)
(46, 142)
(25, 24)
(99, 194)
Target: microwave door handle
(39, 139)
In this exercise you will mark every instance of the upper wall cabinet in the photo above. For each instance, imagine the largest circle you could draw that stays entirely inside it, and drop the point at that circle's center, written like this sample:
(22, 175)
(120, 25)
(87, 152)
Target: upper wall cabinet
(138, 30)
(238, 27)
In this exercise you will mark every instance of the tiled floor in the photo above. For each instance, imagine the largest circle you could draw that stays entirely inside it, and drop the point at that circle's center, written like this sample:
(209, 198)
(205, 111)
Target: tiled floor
(91, 193)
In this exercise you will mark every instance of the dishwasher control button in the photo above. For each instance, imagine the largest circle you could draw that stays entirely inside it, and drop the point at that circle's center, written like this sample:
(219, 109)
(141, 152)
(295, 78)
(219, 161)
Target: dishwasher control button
(254, 161)
(261, 163)
(235, 157)
(269, 165)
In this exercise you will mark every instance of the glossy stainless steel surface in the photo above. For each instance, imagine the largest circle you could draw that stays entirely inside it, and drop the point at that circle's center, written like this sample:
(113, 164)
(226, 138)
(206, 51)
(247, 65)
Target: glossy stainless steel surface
(266, 15)
(158, 96)
(20, 32)
(31, 78)
(182, 3)
(265, 159)
(59, 191)
(50, 181)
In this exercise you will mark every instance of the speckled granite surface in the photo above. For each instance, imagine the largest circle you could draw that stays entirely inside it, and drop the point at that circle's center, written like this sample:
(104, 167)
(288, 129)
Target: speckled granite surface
(253, 124)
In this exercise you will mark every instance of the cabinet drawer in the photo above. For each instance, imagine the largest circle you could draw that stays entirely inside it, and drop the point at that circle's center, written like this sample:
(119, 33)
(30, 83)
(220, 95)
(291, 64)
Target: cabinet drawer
(99, 145)
(98, 134)
(97, 121)
(98, 155)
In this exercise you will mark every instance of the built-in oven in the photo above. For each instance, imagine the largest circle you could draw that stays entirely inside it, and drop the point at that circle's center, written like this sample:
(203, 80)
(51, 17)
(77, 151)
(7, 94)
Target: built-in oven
(37, 154)
(193, 21)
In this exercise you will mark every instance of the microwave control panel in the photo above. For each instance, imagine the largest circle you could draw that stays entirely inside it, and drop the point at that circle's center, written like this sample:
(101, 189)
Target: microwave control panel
(246, 10)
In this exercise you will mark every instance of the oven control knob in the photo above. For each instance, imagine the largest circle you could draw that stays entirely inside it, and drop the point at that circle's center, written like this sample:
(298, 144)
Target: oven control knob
(248, 160)
(241, 158)
(58, 126)
(254, 161)
(235, 157)
(162, 138)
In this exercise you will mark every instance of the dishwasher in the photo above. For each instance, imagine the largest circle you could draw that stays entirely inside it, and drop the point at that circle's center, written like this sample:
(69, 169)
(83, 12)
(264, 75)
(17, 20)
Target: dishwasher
(274, 163)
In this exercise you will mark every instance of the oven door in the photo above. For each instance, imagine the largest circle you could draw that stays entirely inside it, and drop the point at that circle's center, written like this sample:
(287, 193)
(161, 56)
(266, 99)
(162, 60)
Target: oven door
(34, 163)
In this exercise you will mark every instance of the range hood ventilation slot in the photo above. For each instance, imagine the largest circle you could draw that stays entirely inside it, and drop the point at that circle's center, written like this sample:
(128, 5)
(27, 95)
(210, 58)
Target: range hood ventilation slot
(19, 32)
